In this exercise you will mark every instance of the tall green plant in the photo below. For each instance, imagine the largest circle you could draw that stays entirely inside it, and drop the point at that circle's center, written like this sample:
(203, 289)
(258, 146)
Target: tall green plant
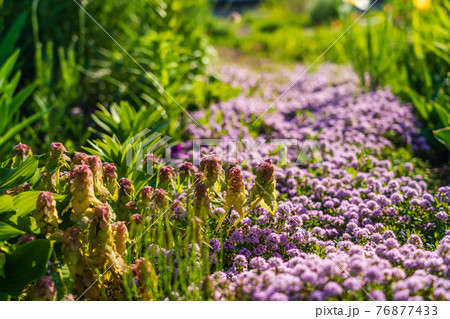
(11, 122)
(408, 49)
(11, 36)
(58, 79)
(164, 50)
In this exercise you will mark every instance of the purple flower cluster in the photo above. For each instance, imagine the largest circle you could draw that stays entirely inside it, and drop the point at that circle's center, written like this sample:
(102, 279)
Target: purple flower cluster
(350, 272)
(343, 229)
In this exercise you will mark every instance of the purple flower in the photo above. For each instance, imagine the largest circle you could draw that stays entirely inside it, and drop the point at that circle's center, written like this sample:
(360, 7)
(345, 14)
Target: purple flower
(275, 262)
(215, 244)
(373, 273)
(317, 295)
(258, 263)
(442, 215)
(237, 237)
(352, 284)
(245, 252)
(378, 295)
(278, 296)
(401, 295)
(332, 289)
(240, 262)
(391, 243)
(273, 239)
(415, 240)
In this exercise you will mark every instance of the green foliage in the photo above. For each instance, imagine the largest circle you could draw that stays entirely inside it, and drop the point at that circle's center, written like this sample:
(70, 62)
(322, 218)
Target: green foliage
(322, 11)
(396, 45)
(129, 155)
(93, 227)
(9, 40)
(283, 31)
(24, 264)
(414, 59)
(151, 54)
(7, 231)
(443, 136)
(14, 177)
(124, 121)
(159, 61)
(204, 93)
(58, 79)
(11, 102)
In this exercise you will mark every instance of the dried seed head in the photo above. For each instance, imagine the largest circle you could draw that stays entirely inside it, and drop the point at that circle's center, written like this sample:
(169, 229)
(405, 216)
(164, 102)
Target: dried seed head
(81, 176)
(211, 166)
(199, 178)
(176, 203)
(109, 171)
(166, 177)
(131, 208)
(83, 196)
(72, 234)
(201, 201)
(126, 187)
(265, 184)
(265, 171)
(236, 194)
(146, 193)
(150, 163)
(151, 158)
(45, 202)
(57, 149)
(19, 154)
(95, 163)
(45, 289)
(235, 180)
(72, 247)
(186, 169)
(137, 218)
(22, 150)
(110, 179)
(102, 215)
(142, 269)
(159, 197)
(57, 157)
(80, 159)
(120, 234)
(46, 214)
(19, 189)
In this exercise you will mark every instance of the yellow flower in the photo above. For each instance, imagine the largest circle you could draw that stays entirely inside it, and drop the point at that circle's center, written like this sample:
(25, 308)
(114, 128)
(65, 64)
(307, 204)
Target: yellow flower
(422, 5)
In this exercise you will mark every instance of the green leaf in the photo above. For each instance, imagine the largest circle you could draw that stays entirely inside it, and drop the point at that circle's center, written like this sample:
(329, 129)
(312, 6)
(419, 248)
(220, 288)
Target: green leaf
(26, 224)
(4, 297)
(444, 115)
(27, 263)
(6, 203)
(443, 136)
(10, 178)
(11, 37)
(7, 231)
(2, 264)
(419, 103)
(11, 132)
(20, 98)
(7, 68)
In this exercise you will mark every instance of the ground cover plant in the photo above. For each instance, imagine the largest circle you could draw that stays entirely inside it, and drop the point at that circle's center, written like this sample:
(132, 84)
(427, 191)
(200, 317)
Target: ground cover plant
(363, 223)
(207, 179)
(413, 60)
